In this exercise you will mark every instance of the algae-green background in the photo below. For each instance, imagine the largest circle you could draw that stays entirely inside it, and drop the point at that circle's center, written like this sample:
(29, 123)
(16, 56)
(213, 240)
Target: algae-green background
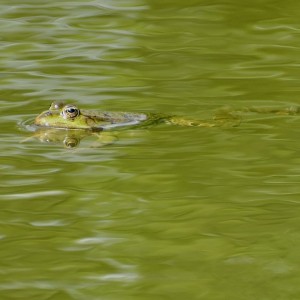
(165, 212)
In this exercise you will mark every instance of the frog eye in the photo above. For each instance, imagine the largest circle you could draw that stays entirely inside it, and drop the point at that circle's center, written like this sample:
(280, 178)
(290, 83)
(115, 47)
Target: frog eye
(70, 112)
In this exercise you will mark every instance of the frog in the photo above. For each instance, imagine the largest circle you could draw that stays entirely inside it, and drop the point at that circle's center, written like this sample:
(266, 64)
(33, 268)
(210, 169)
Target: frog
(70, 116)
(69, 124)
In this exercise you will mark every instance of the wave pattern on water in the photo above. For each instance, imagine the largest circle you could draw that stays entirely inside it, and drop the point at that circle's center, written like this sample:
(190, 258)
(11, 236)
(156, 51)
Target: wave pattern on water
(163, 212)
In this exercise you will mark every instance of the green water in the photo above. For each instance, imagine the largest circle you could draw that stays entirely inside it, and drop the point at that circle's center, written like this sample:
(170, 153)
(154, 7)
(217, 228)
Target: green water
(163, 212)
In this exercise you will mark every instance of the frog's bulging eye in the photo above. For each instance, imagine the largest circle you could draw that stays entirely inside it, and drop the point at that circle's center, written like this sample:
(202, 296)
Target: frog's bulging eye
(70, 112)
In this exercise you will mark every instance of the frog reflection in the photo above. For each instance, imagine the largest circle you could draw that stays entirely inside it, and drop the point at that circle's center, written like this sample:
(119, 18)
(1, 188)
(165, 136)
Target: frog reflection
(70, 138)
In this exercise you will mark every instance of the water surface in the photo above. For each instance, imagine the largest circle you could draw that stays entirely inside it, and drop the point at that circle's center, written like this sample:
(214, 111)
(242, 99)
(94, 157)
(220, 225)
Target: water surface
(163, 212)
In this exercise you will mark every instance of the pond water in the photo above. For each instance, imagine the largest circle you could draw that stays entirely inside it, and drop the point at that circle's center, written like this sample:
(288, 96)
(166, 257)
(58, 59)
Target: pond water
(161, 212)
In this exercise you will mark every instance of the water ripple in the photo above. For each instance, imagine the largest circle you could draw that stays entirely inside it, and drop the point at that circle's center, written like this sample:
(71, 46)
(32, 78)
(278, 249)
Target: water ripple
(32, 195)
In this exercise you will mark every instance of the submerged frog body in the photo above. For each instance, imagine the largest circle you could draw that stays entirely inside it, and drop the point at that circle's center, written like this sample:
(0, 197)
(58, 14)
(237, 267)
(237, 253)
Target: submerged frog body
(69, 124)
(70, 116)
